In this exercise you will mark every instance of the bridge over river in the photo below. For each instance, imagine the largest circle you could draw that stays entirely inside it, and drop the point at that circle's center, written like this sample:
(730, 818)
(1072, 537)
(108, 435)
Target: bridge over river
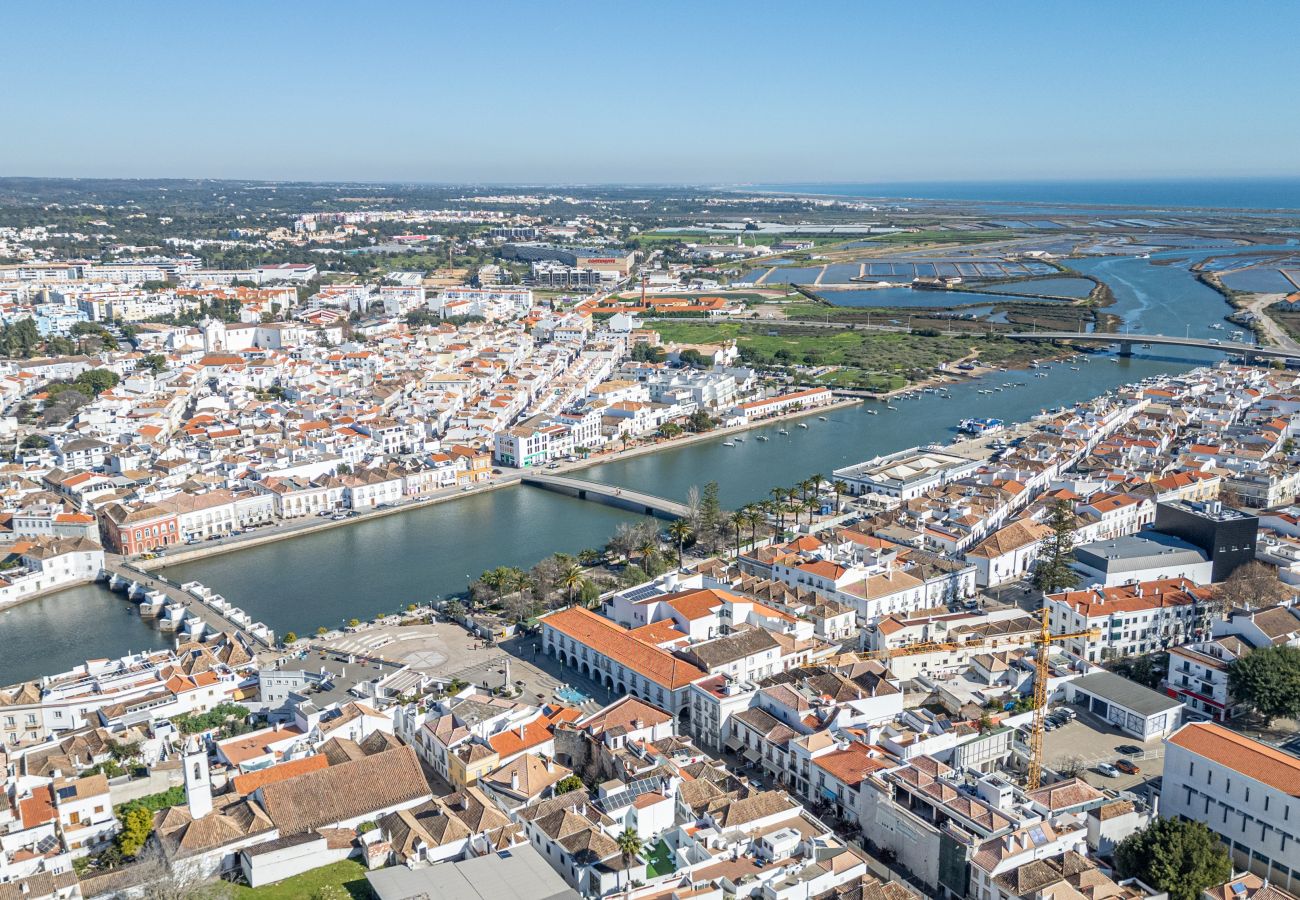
(1250, 352)
(610, 495)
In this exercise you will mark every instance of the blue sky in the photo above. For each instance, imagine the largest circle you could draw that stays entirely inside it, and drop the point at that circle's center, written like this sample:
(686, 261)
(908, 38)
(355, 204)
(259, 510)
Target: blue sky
(652, 92)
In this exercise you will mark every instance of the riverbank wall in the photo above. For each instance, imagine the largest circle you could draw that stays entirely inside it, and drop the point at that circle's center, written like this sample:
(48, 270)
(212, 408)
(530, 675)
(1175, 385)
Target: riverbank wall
(313, 526)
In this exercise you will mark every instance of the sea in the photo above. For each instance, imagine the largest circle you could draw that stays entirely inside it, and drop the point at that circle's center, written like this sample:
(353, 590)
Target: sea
(1223, 193)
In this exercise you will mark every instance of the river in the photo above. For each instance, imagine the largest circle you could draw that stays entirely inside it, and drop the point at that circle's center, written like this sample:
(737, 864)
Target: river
(381, 565)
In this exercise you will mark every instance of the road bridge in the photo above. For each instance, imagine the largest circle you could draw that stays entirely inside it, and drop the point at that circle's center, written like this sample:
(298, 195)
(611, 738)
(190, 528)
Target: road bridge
(610, 495)
(1250, 352)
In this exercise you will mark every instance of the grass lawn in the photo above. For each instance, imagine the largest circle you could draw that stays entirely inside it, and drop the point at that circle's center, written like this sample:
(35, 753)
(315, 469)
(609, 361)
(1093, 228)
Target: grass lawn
(659, 861)
(344, 880)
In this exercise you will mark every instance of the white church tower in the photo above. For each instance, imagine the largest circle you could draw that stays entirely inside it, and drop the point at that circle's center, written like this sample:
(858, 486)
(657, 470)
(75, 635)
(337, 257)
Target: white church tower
(214, 335)
(198, 786)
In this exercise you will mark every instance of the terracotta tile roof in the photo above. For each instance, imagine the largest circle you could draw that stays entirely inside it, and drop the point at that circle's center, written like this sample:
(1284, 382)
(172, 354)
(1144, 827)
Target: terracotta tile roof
(851, 765)
(695, 604)
(246, 784)
(539, 731)
(1165, 592)
(345, 791)
(1253, 759)
(609, 639)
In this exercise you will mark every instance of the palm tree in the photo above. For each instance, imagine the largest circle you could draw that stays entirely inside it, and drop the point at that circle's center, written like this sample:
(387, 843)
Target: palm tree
(757, 516)
(778, 506)
(738, 520)
(772, 509)
(797, 506)
(571, 579)
(518, 580)
(841, 488)
(806, 487)
(629, 844)
(680, 530)
(495, 579)
(648, 545)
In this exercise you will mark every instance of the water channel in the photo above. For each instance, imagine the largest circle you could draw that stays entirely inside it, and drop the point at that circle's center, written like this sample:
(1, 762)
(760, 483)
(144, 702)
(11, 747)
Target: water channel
(381, 565)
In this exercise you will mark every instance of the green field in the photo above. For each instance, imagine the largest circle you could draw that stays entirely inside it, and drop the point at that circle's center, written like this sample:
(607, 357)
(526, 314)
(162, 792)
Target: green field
(871, 359)
(344, 880)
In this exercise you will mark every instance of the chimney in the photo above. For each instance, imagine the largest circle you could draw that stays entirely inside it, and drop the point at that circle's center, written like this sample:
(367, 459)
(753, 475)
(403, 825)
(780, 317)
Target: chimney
(514, 780)
(550, 764)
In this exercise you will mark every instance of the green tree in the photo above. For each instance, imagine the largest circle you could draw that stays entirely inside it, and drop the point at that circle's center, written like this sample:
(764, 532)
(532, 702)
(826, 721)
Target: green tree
(353, 623)
(710, 509)
(568, 783)
(137, 824)
(571, 579)
(632, 575)
(290, 637)
(1174, 855)
(588, 593)
(154, 362)
(699, 421)
(694, 359)
(98, 380)
(629, 845)
(454, 610)
(680, 530)
(1053, 572)
(1269, 680)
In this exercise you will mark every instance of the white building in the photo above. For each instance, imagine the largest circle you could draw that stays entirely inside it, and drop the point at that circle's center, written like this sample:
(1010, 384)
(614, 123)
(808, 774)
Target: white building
(1245, 791)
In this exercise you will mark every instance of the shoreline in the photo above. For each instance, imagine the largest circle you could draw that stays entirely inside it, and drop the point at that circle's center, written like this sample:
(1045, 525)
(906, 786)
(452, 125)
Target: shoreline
(503, 481)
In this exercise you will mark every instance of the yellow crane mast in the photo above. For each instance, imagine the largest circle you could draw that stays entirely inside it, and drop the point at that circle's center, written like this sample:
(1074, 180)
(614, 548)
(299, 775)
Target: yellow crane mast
(1041, 674)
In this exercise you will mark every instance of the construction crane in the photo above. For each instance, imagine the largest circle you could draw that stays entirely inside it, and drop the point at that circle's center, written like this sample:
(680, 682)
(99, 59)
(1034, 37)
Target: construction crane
(1041, 674)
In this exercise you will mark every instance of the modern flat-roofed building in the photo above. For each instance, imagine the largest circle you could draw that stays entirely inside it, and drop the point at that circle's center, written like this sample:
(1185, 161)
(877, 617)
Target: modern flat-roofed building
(1226, 534)
(1146, 556)
(1131, 707)
(906, 474)
(1244, 790)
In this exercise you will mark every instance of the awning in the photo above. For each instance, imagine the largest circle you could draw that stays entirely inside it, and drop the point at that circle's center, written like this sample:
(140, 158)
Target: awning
(734, 743)
(753, 755)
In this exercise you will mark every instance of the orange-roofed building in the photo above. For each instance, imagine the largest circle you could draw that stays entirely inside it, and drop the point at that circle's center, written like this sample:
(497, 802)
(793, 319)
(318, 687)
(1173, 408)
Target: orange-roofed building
(605, 651)
(1128, 619)
(1246, 791)
(246, 784)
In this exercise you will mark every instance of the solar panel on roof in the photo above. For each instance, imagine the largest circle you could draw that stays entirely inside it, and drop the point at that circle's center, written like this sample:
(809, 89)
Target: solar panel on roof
(642, 593)
(628, 794)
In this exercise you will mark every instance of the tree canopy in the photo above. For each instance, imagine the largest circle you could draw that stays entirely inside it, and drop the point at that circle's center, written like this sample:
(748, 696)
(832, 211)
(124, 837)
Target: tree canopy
(1053, 572)
(1269, 680)
(1251, 584)
(1174, 855)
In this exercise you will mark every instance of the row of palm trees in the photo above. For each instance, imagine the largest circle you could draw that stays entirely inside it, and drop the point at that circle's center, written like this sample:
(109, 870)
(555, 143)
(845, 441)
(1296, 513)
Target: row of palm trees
(794, 501)
(566, 572)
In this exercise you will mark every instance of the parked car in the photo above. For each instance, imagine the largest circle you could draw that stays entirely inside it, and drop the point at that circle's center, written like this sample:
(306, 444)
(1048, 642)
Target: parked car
(1108, 770)
(1128, 767)
(1129, 749)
